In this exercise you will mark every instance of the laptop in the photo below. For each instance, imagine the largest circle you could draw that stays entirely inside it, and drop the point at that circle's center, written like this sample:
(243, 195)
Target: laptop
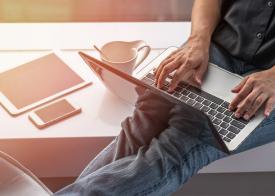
(212, 98)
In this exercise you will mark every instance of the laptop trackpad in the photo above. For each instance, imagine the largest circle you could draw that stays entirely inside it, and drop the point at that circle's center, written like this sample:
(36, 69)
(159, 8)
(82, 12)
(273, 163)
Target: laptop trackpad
(219, 82)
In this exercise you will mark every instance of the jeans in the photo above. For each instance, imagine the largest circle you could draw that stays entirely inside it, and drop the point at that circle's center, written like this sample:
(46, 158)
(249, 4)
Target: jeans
(161, 146)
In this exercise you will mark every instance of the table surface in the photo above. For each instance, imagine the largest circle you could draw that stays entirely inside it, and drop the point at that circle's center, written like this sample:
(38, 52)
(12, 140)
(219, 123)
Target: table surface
(101, 111)
(65, 148)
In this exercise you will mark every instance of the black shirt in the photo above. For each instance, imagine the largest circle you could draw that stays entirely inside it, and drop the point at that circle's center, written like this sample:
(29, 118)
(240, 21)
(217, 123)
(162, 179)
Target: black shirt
(247, 31)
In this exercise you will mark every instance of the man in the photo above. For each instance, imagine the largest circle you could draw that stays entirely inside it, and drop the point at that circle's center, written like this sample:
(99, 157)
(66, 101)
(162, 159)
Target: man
(164, 144)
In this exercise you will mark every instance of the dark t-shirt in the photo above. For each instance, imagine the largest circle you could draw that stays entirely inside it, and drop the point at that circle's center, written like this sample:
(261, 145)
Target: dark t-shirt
(247, 31)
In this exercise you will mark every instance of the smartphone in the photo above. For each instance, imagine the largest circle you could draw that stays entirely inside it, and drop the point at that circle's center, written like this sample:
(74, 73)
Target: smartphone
(53, 113)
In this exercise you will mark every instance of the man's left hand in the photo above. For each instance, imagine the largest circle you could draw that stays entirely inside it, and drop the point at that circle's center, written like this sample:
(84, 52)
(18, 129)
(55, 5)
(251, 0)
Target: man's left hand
(254, 91)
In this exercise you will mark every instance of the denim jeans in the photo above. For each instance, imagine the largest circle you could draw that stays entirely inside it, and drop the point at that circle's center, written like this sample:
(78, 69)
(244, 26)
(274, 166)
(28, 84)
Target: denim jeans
(161, 146)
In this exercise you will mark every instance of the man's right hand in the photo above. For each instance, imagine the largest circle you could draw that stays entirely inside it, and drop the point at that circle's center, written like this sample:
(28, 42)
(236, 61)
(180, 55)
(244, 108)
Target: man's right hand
(189, 63)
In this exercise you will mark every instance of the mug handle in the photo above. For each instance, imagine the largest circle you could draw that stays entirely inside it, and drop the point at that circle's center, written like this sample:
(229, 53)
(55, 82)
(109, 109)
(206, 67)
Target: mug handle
(143, 51)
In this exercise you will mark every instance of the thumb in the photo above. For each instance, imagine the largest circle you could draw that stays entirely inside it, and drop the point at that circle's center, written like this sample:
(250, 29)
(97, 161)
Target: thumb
(200, 73)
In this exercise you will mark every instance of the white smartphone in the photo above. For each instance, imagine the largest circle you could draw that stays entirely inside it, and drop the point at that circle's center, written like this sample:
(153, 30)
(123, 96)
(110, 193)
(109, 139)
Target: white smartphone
(53, 113)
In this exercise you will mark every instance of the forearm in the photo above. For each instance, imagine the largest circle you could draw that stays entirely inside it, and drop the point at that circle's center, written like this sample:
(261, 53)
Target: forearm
(205, 17)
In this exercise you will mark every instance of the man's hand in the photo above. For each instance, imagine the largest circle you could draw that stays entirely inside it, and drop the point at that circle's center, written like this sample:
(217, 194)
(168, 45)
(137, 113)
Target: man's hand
(190, 63)
(254, 91)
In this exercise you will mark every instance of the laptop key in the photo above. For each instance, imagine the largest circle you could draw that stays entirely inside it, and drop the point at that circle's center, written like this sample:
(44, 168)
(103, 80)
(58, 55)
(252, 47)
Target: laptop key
(227, 119)
(237, 124)
(221, 109)
(224, 125)
(217, 127)
(151, 76)
(165, 88)
(227, 139)
(230, 135)
(185, 92)
(205, 109)
(220, 116)
(177, 94)
(199, 99)
(182, 84)
(217, 121)
(223, 131)
(213, 106)
(225, 104)
(240, 119)
(198, 106)
(212, 112)
(205, 95)
(233, 129)
(184, 98)
(216, 100)
(210, 116)
(148, 81)
(206, 102)
(190, 102)
(178, 89)
(192, 95)
(228, 113)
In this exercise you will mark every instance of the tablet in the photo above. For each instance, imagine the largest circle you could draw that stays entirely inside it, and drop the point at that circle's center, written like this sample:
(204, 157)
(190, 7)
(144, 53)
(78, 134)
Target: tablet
(37, 82)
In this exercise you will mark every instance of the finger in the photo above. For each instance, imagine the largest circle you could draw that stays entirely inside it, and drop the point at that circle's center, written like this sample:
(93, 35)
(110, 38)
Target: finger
(161, 65)
(237, 88)
(200, 73)
(184, 73)
(256, 105)
(170, 67)
(247, 103)
(246, 89)
(172, 55)
(175, 55)
(269, 106)
(175, 60)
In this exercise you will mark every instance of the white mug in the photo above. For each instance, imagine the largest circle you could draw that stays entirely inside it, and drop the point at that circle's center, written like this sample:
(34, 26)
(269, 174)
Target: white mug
(125, 56)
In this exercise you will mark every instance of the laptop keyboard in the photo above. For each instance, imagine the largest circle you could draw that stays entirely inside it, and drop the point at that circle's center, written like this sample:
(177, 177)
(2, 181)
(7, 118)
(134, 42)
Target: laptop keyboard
(215, 108)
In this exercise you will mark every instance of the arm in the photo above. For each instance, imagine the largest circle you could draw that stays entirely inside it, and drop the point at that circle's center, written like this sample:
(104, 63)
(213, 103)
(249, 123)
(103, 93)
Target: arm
(191, 61)
(205, 17)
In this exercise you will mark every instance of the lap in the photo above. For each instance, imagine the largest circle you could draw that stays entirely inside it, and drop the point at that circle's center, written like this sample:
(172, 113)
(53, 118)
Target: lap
(152, 116)
(158, 168)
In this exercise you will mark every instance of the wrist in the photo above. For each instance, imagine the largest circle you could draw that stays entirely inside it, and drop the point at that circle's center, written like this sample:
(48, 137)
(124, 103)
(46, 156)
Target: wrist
(201, 41)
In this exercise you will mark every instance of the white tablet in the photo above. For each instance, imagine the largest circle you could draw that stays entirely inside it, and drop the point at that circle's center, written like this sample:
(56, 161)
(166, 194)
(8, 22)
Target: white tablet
(37, 82)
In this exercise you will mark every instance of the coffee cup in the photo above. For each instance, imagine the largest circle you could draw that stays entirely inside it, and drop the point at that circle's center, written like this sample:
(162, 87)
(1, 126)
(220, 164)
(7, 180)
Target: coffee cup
(125, 56)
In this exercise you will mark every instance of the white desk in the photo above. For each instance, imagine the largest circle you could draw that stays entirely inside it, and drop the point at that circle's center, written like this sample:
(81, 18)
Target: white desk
(65, 148)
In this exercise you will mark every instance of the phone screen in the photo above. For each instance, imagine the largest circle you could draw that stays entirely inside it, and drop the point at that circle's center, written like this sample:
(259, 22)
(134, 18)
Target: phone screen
(55, 111)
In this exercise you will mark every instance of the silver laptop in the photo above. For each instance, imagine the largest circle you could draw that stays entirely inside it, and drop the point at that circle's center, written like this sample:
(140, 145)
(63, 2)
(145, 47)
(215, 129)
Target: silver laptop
(213, 98)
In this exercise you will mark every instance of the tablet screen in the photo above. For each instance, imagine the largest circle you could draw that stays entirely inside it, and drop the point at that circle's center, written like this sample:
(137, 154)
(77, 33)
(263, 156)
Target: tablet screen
(37, 80)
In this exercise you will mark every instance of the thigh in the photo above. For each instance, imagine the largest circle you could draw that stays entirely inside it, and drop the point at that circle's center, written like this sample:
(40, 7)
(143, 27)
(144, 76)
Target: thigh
(159, 168)
(149, 119)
